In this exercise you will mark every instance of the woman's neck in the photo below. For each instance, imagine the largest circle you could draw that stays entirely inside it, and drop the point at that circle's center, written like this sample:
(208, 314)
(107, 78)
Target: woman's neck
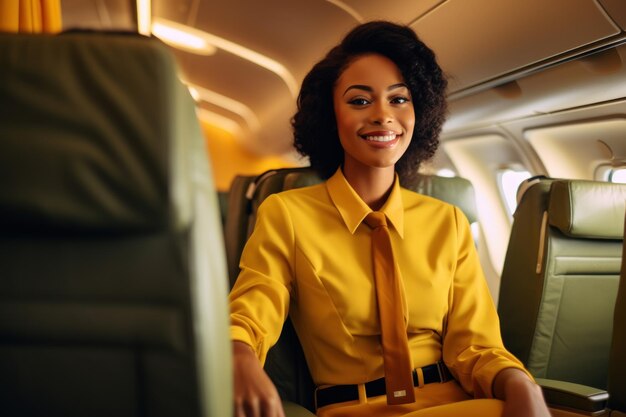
(372, 185)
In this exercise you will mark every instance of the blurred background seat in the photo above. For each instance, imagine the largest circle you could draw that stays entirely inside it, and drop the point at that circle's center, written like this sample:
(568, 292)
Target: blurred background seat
(113, 282)
(245, 195)
(285, 362)
(457, 191)
(236, 223)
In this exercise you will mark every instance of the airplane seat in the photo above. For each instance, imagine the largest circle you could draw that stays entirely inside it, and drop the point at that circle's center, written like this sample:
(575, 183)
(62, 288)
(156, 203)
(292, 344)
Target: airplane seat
(222, 198)
(559, 281)
(285, 362)
(236, 224)
(244, 197)
(518, 314)
(457, 191)
(617, 368)
(113, 286)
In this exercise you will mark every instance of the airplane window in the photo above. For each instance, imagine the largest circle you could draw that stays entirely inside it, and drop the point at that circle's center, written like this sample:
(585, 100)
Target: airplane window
(509, 181)
(618, 175)
(446, 172)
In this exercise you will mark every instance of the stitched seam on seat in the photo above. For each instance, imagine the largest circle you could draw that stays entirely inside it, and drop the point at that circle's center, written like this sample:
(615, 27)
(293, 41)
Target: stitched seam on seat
(541, 346)
(570, 200)
(542, 243)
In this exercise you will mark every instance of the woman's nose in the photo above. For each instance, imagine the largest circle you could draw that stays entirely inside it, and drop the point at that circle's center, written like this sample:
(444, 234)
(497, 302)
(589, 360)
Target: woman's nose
(380, 114)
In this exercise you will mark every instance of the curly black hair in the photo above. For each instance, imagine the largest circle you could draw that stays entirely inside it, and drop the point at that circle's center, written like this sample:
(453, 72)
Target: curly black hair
(314, 124)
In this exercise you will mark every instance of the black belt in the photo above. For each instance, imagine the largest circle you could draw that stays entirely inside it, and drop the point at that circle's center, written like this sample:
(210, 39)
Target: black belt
(437, 372)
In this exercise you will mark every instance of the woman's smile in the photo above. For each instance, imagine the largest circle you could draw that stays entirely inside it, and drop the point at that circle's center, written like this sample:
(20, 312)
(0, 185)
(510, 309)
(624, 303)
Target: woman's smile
(382, 138)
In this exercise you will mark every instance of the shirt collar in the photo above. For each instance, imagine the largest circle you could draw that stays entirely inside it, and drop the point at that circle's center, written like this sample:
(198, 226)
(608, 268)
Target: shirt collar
(353, 210)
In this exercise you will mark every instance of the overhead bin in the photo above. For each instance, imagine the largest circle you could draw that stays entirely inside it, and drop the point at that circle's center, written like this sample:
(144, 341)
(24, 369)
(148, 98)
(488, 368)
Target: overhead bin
(596, 78)
(481, 40)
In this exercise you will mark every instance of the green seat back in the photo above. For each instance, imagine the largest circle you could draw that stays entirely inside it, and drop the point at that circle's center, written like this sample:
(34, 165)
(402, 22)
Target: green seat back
(236, 224)
(560, 277)
(455, 190)
(285, 362)
(113, 284)
(617, 367)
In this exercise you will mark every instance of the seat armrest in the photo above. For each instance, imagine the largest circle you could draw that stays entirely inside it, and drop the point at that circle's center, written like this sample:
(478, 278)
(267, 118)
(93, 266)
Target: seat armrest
(296, 410)
(573, 396)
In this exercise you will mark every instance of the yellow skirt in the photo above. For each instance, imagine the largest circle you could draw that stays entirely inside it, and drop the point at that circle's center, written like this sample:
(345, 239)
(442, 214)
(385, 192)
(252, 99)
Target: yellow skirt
(432, 400)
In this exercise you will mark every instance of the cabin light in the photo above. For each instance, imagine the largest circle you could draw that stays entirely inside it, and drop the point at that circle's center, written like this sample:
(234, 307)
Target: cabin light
(227, 103)
(183, 37)
(231, 47)
(352, 12)
(144, 16)
(194, 93)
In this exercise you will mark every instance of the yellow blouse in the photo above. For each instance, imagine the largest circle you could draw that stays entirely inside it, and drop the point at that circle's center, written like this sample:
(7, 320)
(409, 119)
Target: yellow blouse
(309, 256)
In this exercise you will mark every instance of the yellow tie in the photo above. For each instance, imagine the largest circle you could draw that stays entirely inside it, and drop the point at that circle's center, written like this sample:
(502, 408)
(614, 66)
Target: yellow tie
(396, 355)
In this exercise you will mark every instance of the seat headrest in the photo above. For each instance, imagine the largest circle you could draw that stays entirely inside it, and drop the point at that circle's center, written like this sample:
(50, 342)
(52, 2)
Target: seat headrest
(302, 178)
(455, 190)
(527, 184)
(88, 133)
(588, 209)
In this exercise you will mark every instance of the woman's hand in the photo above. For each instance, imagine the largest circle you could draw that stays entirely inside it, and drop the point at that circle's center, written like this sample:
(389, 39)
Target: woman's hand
(522, 397)
(255, 394)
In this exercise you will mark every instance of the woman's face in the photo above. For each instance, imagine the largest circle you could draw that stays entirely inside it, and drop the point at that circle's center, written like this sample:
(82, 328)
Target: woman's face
(374, 112)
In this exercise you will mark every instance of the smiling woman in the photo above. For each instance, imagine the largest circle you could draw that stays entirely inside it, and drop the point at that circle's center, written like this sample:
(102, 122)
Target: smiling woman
(378, 324)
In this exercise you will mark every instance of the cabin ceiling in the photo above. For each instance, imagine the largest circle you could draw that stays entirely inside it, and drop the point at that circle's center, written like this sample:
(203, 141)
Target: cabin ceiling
(527, 35)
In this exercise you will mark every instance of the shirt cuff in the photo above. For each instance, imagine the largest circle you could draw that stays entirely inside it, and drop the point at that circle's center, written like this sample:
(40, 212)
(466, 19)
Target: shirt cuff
(237, 334)
(486, 376)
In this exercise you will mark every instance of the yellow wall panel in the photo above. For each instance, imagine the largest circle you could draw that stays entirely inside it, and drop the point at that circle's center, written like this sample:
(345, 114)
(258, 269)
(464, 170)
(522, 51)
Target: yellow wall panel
(229, 158)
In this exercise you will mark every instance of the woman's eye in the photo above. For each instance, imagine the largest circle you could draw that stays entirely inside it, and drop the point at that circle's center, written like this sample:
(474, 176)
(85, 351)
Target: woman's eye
(358, 101)
(400, 100)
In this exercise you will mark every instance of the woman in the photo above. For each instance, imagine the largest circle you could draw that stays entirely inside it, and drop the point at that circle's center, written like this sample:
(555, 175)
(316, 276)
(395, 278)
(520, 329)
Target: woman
(368, 114)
